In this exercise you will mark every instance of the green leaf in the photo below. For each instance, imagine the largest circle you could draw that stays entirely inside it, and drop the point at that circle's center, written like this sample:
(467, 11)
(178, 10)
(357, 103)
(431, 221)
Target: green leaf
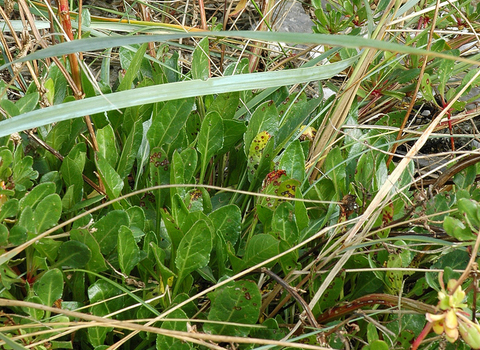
(130, 150)
(96, 262)
(445, 71)
(240, 303)
(194, 250)
(264, 119)
(182, 170)
(23, 171)
(28, 102)
(335, 170)
(225, 104)
(379, 345)
(128, 252)
(471, 209)
(426, 88)
(107, 147)
(233, 131)
(6, 159)
(201, 60)
(283, 223)
(261, 247)
(210, 139)
(133, 69)
(159, 173)
(112, 181)
(166, 342)
(168, 121)
(73, 254)
(9, 209)
(72, 169)
(47, 213)
(227, 221)
(49, 287)
(106, 230)
(32, 198)
(457, 229)
(293, 161)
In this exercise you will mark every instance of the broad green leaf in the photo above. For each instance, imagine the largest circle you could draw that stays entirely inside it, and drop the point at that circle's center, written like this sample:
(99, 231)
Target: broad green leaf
(457, 229)
(210, 139)
(166, 342)
(183, 167)
(3, 235)
(261, 247)
(293, 161)
(111, 180)
(39, 192)
(335, 170)
(426, 87)
(97, 335)
(72, 169)
(201, 60)
(283, 223)
(133, 69)
(73, 254)
(332, 294)
(471, 210)
(128, 252)
(48, 248)
(9, 209)
(47, 213)
(130, 150)
(23, 172)
(233, 131)
(137, 217)
(194, 250)
(225, 104)
(34, 312)
(168, 121)
(6, 159)
(455, 260)
(227, 221)
(159, 174)
(28, 102)
(106, 229)
(240, 303)
(49, 287)
(263, 120)
(107, 146)
(96, 262)
(445, 71)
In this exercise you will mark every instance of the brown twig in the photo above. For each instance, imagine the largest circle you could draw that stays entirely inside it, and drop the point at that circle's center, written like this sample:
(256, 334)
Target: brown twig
(295, 295)
(374, 299)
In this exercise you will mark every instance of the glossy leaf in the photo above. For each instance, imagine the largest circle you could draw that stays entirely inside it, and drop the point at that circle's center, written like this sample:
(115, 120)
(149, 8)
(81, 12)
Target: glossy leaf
(201, 60)
(39, 192)
(227, 222)
(72, 169)
(169, 120)
(210, 139)
(130, 150)
(47, 213)
(166, 342)
(283, 223)
(128, 252)
(73, 254)
(225, 104)
(133, 69)
(194, 250)
(293, 161)
(96, 262)
(106, 230)
(49, 287)
(261, 247)
(240, 303)
(107, 146)
(112, 181)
